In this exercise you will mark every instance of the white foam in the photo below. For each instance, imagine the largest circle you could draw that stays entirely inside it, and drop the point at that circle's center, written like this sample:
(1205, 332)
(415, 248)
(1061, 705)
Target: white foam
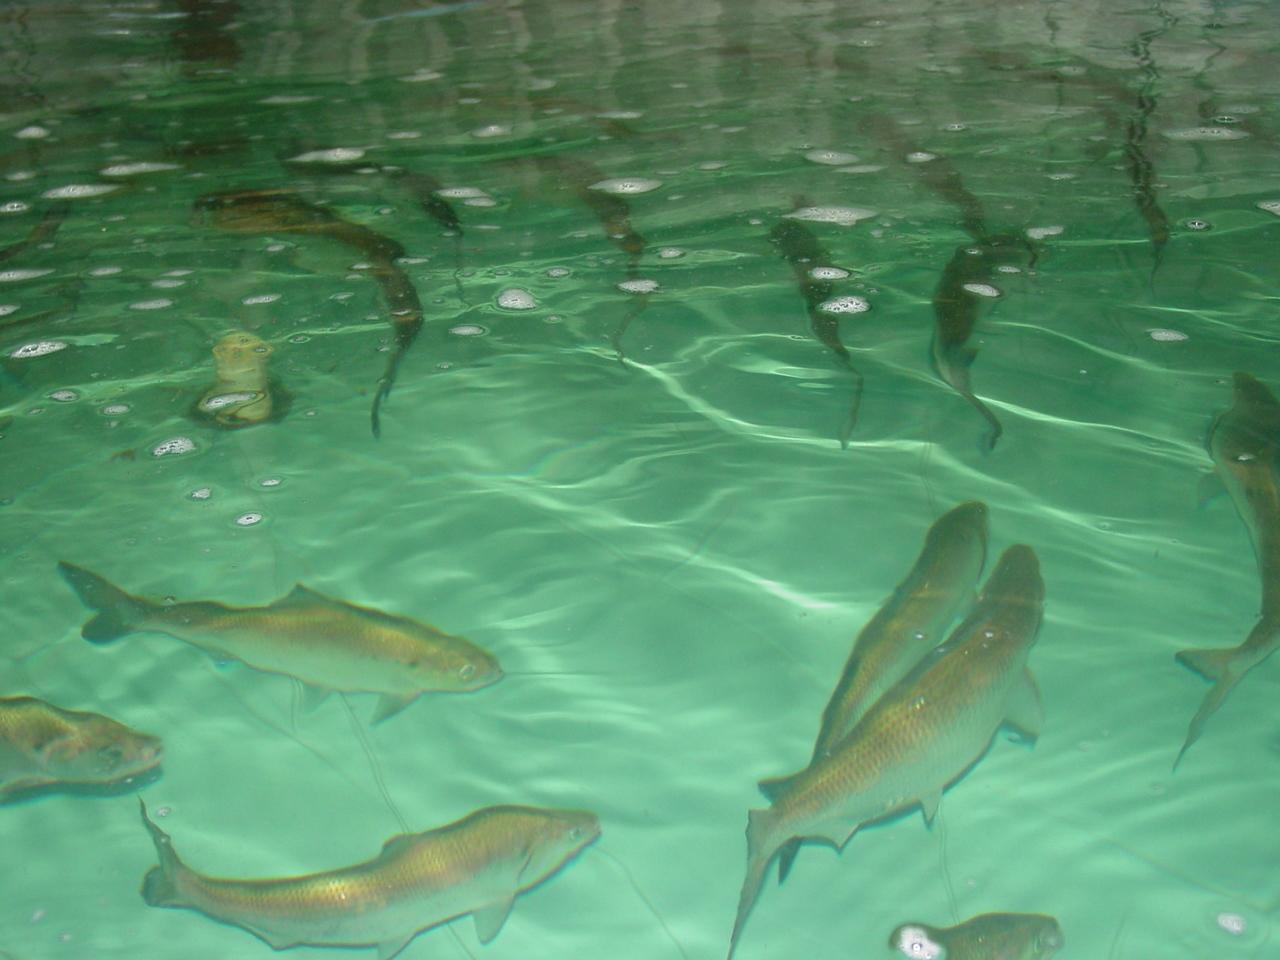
(37, 348)
(1163, 335)
(844, 305)
(514, 298)
(333, 155)
(844, 216)
(9, 276)
(832, 158)
(1271, 206)
(625, 185)
(638, 286)
(173, 446)
(79, 191)
(982, 289)
(828, 273)
(133, 169)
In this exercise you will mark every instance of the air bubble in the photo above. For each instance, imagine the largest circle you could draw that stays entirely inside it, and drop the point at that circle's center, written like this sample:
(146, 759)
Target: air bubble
(558, 272)
(64, 396)
(627, 185)
(270, 483)
(828, 273)
(1271, 206)
(1163, 335)
(133, 169)
(201, 493)
(1232, 923)
(912, 941)
(32, 132)
(670, 253)
(157, 304)
(955, 127)
(248, 519)
(862, 168)
(38, 348)
(491, 130)
(114, 409)
(468, 330)
(833, 158)
(260, 298)
(514, 298)
(921, 156)
(79, 191)
(638, 286)
(460, 193)
(843, 216)
(335, 155)
(173, 446)
(10, 276)
(221, 400)
(982, 289)
(8, 308)
(844, 305)
(1196, 224)
(1205, 134)
(105, 271)
(14, 206)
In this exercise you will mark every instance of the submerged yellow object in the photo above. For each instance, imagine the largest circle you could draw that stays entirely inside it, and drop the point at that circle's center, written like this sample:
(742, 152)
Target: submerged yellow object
(476, 865)
(328, 644)
(243, 394)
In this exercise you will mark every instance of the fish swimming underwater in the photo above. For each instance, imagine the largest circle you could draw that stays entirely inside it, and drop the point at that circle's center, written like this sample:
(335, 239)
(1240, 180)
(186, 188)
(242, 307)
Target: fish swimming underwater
(475, 865)
(45, 746)
(920, 736)
(1245, 445)
(283, 211)
(955, 309)
(802, 251)
(328, 644)
(907, 626)
(989, 936)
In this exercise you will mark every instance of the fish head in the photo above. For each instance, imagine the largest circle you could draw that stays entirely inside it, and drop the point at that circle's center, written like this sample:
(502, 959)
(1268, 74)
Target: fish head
(1245, 438)
(455, 664)
(559, 836)
(960, 534)
(999, 936)
(100, 750)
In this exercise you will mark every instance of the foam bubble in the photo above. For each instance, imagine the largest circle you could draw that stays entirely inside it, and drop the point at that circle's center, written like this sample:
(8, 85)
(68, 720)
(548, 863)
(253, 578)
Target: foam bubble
(558, 272)
(260, 298)
(9, 276)
(64, 396)
(249, 519)
(514, 298)
(33, 132)
(8, 308)
(201, 493)
(982, 289)
(285, 99)
(79, 191)
(1271, 206)
(844, 216)
(862, 168)
(133, 169)
(844, 305)
(334, 155)
(490, 130)
(468, 330)
(1205, 134)
(115, 409)
(14, 206)
(626, 185)
(37, 348)
(480, 202)
(1232, 923)
(1039, 233)
(670, 253)
(921, 156)
(270, 483)
(1163, 335)
(638, 286)
(173, 446)
(168, 283)
(157, 304)
(1195, 223)
(828, 273)
(105, 271)
(833, 158)
(460, 193)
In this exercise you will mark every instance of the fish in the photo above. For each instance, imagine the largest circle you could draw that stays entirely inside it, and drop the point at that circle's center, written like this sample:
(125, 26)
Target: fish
(1142, 172)
(42, 232)
(907, 626)
(920, 736)
(476, 865)
(283, 211)
(955, 310)
(800, 248)
(327, 644)
(988, 936)
(1244, 443)
(244, 393)
(42, 745)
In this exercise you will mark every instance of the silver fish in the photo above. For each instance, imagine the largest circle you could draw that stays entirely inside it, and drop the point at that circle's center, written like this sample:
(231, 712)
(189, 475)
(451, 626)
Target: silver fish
(1245, 445)
(328, 644)
(920, 735)
(475, 865)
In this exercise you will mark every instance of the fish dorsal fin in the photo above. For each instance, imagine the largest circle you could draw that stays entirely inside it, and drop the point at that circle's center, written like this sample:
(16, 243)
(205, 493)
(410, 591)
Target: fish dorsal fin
(1025, 713)
(929, 806)
(301, 596)
(389, 948)
(397, 844)
(489, 920)
(774, 787)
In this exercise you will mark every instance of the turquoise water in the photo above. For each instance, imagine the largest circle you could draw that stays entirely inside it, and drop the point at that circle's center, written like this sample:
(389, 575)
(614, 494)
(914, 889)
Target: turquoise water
(670, 552)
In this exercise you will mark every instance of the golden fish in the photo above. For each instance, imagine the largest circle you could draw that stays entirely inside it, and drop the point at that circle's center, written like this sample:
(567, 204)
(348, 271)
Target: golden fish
(42, 746)
(920, 735)
(906, 627)
(1245, 444)
(475, 865)
(989, 936)
(324, 642)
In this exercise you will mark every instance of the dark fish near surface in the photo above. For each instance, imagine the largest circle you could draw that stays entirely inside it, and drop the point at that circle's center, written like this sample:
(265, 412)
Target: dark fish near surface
(42, 746)
(920, 735)
(42, 232)
(282, 211)
(989, 936)
(955, 310)
(1245, 445)
(906, 627)
(1142, 173)
(329, 644)
(800, 248)
(476, 865)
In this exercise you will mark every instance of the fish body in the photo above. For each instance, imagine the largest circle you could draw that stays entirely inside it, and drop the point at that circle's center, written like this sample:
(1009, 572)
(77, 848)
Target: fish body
(955, 309)
(989, 936)
(476, 865)
(42, 745)
(1245, 445)
(911, 622)
(282, 211)
(326, 643)
(800, 248)
(920, 735)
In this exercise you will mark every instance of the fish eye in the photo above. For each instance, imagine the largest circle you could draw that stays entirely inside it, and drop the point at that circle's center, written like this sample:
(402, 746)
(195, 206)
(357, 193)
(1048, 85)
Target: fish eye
(467, 671)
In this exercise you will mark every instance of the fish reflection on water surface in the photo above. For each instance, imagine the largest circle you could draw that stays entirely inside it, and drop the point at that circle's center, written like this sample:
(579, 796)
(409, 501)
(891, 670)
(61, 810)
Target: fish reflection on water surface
(328, 644)
(476, 865)
(44, 746)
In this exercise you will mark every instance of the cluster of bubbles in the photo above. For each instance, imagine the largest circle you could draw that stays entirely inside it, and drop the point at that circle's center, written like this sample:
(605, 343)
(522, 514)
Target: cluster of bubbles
(842, 216)
(627, 185)
(79, 191)
(828, 273)
(848, 304)
(38, 348)
(638, 286)
(174, 446)
(513, 298)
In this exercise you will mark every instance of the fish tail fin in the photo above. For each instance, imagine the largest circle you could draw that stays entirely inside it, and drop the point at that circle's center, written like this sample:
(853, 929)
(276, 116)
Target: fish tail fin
(1212, 663)
(760, 852)
(119, 613)
(1208, 707)
(159, 888)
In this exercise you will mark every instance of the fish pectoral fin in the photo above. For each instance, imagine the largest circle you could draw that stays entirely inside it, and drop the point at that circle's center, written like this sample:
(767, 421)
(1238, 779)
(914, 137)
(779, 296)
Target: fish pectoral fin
(1212, 663)
(1209, 488)
(389, 704)
(1025, 713)
(929, 806)
(489, 920)
(787, 857)
(302, 596)
(389, 948)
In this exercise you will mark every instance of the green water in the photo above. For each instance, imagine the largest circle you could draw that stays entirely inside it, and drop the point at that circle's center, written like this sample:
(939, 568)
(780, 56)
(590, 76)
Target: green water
(669, 553)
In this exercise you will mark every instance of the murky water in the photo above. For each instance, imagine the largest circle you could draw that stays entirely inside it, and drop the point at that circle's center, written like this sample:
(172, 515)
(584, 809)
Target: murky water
(612, 455)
